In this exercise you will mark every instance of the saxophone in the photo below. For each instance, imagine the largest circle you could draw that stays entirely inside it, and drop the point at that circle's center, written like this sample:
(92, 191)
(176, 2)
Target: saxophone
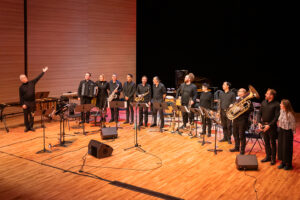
(141, 97)
(113, 95)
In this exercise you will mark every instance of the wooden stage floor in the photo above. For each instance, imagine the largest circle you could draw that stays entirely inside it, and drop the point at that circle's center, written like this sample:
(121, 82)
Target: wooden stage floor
(173, 167)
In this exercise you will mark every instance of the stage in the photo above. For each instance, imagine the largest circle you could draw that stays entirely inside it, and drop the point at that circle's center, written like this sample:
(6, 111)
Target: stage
(173, 167)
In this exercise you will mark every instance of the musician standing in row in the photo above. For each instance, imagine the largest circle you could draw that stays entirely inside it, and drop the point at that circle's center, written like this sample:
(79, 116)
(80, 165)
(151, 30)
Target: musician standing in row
(267, 118)
(27, 99)
(226, 99)
(128, 91)
(102, 94)
(188, 93)
(85, 95)
(159, 94)
(142, 89)
(206, 101)
(115, 86)
(240, 125)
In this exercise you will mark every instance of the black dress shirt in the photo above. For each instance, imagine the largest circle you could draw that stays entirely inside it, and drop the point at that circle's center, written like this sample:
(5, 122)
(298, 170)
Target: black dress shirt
(269, 112)
(226, 98)
(27, 91)
(103, 88)
(187, 92)
(158, 92)
(206, 100)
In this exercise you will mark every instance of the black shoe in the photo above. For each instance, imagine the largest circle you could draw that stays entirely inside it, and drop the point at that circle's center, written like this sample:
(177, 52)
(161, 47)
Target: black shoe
(288, 167)
(223, 140)
(126, 122)
(81, 122)
(153, 125)
(26, 130)
(281, 166)
(242, 152)
(229, 142)
(131, 123)
(266, 160)
(111, 120)
(209, 135)
(234, 149)
(182, 127)
(32, 129)
(273, 162)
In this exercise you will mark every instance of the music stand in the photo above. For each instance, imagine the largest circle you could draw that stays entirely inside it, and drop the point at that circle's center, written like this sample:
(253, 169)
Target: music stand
(136, 144)
(199, 112)
(215, 124)
(177, 109)
(42, 113)
(83, 108)
(116, 105)
(160, 106)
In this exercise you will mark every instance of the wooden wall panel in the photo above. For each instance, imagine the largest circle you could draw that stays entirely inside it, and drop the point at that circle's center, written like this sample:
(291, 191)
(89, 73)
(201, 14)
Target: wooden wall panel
(11, 48)
(57, 37)
(76, 36)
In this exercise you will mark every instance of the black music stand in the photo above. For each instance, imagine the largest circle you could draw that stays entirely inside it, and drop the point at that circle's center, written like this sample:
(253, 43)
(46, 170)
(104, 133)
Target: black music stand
(83, 108)
(42, 113)
(136, 144)
(177, 109)
(116, 105)
(199, 112)
(216, 125)
(160, 106)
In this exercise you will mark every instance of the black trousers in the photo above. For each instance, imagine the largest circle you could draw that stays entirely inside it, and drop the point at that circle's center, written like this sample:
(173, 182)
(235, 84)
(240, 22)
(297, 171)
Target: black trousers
(270, 142)
(114, 112)
(239, 128)
(161, 114)
(187, 117)
(102, 105)
(206, 123)
(101, 102)
(129, 111)
(285, 146)
(85, 100)
(143, 113)
(227, 125)
(28, 115)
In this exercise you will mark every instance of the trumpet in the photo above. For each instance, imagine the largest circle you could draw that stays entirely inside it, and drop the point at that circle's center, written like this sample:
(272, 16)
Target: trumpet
(241, 107)
(141, 97)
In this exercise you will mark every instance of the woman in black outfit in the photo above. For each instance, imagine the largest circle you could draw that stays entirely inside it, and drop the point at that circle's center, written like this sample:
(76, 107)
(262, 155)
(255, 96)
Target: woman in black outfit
(286, 131)
(102, 93)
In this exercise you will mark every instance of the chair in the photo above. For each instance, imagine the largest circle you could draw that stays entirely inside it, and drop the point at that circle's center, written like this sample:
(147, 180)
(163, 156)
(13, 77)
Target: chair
(256, 137)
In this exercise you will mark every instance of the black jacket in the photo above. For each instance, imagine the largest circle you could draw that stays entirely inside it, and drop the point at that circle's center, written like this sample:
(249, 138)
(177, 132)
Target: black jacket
(113, 86)
(103, 88)
(27, 91)
(206, 100)
(129, 89)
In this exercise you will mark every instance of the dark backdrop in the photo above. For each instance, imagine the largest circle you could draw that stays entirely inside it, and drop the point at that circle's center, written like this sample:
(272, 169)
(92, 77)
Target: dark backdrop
(244, 42)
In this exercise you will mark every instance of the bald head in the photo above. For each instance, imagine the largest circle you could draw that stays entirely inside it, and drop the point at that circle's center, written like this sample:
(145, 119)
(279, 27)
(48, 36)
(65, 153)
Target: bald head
(23, 78)
(242, 92)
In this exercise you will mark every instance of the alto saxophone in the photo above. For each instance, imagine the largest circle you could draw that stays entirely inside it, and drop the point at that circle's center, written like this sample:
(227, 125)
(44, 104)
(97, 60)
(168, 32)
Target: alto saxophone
(113, 95)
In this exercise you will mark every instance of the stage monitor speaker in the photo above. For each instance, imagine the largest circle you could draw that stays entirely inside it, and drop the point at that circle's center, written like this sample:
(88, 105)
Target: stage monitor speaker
(179, 76)
(246, 162)
(109, 133)
(99, 150)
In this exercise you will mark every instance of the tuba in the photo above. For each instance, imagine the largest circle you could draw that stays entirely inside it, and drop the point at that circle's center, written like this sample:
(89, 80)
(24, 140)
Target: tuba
(241, 107)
